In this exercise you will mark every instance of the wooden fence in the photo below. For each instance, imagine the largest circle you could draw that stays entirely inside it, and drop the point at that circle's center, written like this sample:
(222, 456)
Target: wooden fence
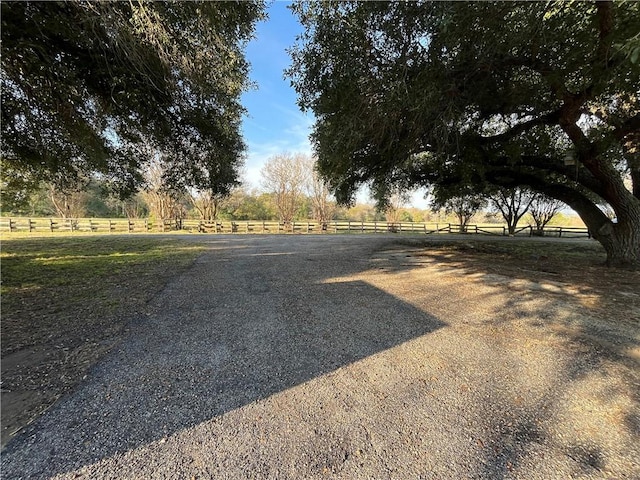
(124, 225)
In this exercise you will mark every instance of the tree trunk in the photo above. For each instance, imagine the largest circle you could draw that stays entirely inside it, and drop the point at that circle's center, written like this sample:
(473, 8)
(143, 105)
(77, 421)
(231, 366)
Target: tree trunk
(462, 218)
(621, 241)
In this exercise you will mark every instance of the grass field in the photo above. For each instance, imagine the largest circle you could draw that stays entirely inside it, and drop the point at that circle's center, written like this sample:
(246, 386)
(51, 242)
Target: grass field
(83, 262)
(65, 302)
(590, 252)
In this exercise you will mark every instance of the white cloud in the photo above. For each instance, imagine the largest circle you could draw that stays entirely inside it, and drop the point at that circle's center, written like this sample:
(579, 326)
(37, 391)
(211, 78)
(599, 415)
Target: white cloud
(293, 138)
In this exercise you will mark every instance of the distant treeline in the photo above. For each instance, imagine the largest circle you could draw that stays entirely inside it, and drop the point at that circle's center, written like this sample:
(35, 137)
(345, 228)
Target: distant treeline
(243, 204)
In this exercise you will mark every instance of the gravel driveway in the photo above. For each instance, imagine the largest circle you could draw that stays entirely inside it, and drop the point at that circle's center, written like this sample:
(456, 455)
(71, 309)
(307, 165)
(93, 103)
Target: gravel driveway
(342, 357)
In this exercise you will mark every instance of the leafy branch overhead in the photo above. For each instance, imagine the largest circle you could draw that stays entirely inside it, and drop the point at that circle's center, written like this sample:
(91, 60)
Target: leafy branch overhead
(103, 86)
(509, 94)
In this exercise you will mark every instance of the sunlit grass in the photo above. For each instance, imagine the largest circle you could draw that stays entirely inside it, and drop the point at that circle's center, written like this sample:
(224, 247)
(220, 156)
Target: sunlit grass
(68, 299)
(44, 262)
(71, 290)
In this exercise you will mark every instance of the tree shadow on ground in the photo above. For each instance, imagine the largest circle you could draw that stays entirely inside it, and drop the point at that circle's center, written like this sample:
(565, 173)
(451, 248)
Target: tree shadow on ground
(255, 318)
(571, 273)
(589, 312)
(241, 325)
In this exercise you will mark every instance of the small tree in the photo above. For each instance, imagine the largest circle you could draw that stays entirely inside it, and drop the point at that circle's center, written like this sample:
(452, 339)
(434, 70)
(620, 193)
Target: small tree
(361, 212)
(205, 203)
(285, 176)
(242, 204)
(68, 202)
(164, 201)
(542, 209)
(130, 207)
(464, 207)
(323, 207)
(393, 212)
(512, 203)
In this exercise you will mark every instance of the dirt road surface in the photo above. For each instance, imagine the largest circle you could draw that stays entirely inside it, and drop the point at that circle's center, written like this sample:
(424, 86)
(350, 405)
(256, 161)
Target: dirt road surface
(349, 357)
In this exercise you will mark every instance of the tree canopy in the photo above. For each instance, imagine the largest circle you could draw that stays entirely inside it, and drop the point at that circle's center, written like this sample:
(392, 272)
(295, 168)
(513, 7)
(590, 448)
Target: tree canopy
(442, 94)
(104, 86)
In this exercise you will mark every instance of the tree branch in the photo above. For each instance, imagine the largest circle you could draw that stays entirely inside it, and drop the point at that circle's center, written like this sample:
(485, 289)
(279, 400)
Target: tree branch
(551, 118)
(595, 219)
(570, 172)
(631, 149)
(605, 27)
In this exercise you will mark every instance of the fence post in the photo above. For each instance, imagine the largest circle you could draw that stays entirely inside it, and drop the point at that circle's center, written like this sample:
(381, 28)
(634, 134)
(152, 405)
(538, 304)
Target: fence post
(560, 233)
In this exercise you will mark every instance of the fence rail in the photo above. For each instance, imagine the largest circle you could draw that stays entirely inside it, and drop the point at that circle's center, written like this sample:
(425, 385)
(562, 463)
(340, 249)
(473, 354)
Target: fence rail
(124, 225)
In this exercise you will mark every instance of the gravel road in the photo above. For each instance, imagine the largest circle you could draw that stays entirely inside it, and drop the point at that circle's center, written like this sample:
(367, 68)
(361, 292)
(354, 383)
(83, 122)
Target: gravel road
(340, 357)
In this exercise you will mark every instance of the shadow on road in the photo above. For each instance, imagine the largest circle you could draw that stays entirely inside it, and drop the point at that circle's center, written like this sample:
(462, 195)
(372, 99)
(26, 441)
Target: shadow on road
(524, 382)
(250, 319)
(561, 299)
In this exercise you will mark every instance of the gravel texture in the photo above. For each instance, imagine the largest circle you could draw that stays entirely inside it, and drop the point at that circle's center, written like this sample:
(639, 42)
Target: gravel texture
(344, 357)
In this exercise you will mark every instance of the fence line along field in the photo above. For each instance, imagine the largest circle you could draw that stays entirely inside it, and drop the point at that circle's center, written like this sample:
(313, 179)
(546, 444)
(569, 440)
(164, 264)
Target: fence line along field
(144, 225)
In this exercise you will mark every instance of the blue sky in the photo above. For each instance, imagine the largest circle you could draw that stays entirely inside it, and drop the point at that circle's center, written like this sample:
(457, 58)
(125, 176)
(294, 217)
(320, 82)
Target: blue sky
(274, 123)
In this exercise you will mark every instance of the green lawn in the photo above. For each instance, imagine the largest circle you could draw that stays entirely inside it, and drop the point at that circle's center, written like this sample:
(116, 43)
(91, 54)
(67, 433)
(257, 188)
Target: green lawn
(527, 249)
(52, 286)
(66, 300)
(86, 261)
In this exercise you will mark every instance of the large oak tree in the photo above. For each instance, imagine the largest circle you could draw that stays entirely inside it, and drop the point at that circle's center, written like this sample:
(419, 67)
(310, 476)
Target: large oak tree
(103, 86)
(511, 94)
